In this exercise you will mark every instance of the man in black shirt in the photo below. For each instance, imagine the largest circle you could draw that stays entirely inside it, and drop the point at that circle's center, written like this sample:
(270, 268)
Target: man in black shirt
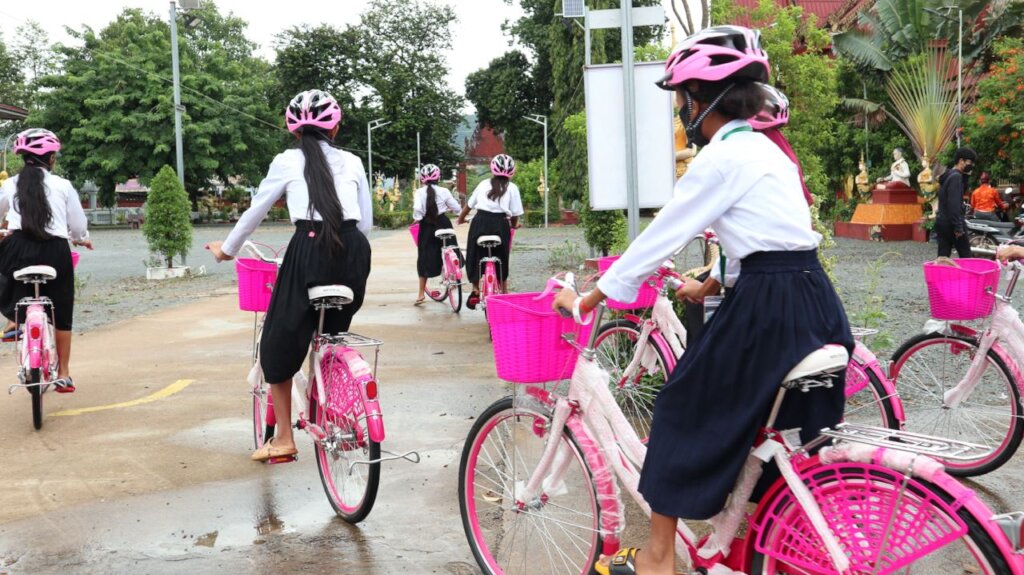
(950, 224)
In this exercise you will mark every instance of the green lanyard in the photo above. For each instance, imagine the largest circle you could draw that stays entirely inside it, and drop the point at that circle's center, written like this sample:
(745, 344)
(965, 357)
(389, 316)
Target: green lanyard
(721, 256)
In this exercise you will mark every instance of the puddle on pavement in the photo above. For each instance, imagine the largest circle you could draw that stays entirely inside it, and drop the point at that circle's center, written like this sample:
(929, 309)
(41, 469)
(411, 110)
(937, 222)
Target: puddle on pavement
(207, 540)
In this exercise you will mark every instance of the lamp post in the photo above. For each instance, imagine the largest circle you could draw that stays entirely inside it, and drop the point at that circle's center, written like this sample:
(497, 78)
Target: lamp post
(543, 121)
(959, 61)
(370, 127)
(178, 109)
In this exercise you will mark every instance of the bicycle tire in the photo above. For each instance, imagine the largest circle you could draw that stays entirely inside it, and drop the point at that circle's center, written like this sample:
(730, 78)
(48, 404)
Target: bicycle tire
(974, 552)
(439, 290)
(455, 297)
(483, 513)
(913, 371)
(261, 409)
(36, 392)
(873, 394)
(352, 499)
(635, 397)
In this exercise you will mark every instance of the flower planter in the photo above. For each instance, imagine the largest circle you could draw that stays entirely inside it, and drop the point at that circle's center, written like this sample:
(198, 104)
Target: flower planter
(165, 273)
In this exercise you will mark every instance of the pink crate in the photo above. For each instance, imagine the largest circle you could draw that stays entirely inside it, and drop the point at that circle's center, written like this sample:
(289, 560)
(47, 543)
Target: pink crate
(256, 280)
(415, 231)
(75, 256)
(962, 293)
(527, 334)
(645, 297)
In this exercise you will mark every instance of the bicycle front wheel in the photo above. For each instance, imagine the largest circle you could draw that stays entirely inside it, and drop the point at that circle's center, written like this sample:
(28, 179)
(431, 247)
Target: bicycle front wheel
(928, 365)
(867, 401)
(262, 408)
(882, 527)
(556, 532)
(616, 346)
(349, 463)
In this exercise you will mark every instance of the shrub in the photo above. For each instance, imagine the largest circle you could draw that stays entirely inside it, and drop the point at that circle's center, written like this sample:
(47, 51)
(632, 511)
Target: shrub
(168, 225)
(393, 220)
(535, 219)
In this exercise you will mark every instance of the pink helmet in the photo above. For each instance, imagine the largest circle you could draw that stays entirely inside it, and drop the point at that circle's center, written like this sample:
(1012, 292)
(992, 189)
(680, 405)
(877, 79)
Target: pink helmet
(430, 173)
(715, 54)
(775, 112)
(36, 141)
(312, 108)
(503, 165)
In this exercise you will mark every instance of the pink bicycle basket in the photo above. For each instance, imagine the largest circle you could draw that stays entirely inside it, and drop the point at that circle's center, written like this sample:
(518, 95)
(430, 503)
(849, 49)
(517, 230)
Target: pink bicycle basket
(415, 231)
(528, 343)
(75, 256)
(881, 527)
(645, 298)
(255, 282)
(962, 293)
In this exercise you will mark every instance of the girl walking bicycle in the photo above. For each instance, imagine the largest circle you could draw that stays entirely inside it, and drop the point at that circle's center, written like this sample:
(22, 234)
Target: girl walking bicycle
(498, 207)
(329, 203)
(430, 206)
(781, 309)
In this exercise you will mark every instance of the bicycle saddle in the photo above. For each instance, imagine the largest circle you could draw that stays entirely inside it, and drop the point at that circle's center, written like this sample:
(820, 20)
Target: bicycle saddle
(444, 233)
(35, 273)
(483, 241)
(343, 294)
(828, 359)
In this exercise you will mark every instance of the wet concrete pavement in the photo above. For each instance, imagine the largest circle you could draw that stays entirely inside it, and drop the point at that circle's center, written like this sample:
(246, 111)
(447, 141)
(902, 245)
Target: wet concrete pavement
(167, 487)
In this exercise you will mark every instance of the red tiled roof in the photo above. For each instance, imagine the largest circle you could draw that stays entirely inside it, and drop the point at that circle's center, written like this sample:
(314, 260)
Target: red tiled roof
(831, 13)
(8, 112)
(485, 144)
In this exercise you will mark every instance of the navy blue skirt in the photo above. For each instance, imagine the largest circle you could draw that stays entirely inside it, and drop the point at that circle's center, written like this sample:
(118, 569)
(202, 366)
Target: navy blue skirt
(707, 416)
(487, 224)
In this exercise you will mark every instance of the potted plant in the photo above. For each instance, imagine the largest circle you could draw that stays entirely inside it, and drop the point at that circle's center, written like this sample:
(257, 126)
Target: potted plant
(167, 226)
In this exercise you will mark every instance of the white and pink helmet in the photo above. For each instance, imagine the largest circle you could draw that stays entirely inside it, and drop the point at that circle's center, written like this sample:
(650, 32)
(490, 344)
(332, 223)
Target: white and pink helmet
(312, 108)
(503, 165)
(430, 173)
(775, 112)
(36, 141)
(714, 54)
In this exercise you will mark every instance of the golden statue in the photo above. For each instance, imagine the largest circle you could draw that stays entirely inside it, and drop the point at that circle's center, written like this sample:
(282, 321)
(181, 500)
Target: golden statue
(3, 177)
(684, 151)
(925, 179)
(862, 180)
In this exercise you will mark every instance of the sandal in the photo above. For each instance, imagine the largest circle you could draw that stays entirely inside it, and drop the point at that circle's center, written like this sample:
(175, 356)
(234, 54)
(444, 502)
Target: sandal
(268, 451)
(64, 385)
(12, 335)
(420, 301)
(622, 563)
(472, 300)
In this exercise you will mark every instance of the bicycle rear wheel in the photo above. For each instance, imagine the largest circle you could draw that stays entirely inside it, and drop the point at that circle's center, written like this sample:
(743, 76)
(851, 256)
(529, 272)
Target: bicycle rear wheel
(881, 527)
(349, 463)
(557, 533)
(36, 392)
(616, 347)
(437, 289)
(455, 296)
(867, 401)
(928, 365)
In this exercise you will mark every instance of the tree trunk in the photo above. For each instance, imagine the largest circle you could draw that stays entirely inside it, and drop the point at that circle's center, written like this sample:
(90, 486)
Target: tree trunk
(170, 262)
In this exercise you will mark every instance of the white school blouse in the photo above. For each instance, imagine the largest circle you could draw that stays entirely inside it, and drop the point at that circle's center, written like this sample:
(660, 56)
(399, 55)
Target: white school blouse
(68, 217)
(444, 199)
(743, 187)
(285, 178)
(510, 203)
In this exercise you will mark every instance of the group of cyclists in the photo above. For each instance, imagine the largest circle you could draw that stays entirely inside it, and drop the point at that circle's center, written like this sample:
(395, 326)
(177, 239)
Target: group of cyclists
(745, 183)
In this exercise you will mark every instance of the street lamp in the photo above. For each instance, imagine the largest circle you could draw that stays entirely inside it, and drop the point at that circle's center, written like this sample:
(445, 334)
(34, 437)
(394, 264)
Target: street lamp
(370, 127)
(178, 109)
(959, 61)
(543, 121)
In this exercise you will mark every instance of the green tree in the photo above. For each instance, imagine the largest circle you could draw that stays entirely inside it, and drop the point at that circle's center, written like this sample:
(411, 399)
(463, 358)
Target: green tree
(503, 93)
(994, 125)
(168, 225)
(32, 50)
(12, 80)
(112, 102)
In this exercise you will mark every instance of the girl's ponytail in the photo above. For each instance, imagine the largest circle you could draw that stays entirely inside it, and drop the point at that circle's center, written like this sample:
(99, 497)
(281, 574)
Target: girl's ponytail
(30, 197)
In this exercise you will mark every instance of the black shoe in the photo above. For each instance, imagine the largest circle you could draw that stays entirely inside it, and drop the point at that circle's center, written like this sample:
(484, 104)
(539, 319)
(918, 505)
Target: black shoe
(472, 300)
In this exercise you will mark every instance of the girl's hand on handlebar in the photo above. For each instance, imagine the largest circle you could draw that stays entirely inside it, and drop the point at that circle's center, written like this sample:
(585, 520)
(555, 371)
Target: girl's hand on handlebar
(564, 301)
(218, 254)
(83, 243)
(1009, 253)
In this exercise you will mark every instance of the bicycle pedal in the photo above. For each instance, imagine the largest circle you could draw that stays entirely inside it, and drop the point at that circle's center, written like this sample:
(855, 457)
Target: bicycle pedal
(282, 459)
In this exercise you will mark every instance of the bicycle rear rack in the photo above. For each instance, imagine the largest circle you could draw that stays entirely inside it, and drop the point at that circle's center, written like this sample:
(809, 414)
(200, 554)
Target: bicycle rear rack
(410, 456)
(938, 447)
(350, 339)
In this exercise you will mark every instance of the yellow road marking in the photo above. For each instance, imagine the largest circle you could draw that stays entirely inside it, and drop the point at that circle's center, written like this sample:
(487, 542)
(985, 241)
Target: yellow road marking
(165, 392)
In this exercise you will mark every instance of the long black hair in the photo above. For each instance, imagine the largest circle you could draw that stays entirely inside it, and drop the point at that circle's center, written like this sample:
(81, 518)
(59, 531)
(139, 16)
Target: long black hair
(499, 185)
(30, 197)
(323, 194)
(431, 212)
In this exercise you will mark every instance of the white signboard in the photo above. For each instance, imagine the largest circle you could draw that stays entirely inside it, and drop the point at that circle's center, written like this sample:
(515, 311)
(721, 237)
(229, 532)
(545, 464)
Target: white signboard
(606, 129)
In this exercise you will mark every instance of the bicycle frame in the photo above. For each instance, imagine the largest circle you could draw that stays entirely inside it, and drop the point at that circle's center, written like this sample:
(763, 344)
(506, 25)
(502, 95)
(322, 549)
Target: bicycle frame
(37, 346)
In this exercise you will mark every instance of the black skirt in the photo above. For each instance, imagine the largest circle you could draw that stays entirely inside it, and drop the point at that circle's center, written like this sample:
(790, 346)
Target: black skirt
(20, 250)
(707, 416)
(291, 320)
(487, 224)
(428, 260)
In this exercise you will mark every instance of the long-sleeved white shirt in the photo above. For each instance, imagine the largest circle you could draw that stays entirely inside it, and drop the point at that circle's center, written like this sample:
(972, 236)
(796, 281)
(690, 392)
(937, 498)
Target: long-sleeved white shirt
(510, 202)
(285, 178)
(444, 199)
(68, 217)
(744, 187)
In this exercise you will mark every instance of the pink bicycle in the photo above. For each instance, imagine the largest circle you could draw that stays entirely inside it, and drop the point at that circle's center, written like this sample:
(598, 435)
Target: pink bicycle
(449, 284)
(540, 474)
(37, 345)
(337, 400)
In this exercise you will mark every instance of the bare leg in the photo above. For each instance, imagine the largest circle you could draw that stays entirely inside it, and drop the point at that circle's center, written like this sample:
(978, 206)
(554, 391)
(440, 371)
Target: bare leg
(423, 289)
(659, 557)
(63, 352)
(282, 395)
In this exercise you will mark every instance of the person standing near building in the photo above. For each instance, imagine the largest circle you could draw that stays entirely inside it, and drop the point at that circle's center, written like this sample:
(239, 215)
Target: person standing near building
(950, 221)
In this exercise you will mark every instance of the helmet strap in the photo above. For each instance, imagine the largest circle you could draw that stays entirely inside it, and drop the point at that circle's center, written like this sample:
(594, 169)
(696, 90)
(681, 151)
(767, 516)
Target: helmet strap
(693, 132)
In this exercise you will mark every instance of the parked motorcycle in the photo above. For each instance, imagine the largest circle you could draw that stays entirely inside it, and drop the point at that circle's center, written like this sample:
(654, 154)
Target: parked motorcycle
(987, 235)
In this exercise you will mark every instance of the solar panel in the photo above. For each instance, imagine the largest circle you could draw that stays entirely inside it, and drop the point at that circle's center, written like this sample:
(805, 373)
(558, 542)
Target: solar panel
(189, 4)
(572, 8)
